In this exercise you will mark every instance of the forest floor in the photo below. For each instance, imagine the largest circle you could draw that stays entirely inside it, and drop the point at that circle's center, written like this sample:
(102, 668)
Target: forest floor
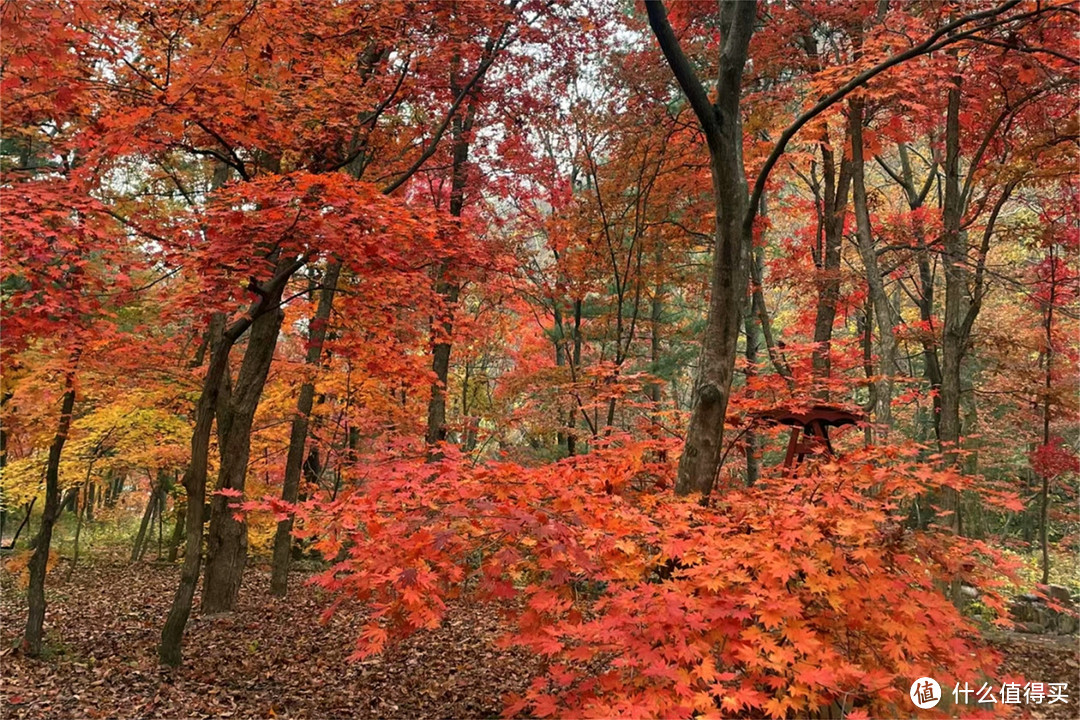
(273, 658)
(270, 658)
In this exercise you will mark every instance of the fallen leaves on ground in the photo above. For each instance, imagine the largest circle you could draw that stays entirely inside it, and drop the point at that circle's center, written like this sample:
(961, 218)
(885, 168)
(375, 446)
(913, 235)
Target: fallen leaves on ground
(269, 658)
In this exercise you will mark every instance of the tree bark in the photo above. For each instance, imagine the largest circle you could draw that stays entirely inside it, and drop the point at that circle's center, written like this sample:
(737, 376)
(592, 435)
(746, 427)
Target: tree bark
(953, 335)
(169, 652)
(35, 595)
(721, 123)
(833, 209)
(151, 503)
(294, 461)
(884, 311)
(447, 288)
(226, 550)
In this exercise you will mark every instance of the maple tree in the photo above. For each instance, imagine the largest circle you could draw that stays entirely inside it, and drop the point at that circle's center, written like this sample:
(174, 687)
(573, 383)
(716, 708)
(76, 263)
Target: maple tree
(490, 305)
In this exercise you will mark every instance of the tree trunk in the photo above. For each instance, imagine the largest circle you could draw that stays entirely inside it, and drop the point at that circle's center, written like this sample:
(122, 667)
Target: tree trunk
(721, 123)
(753, 471)
(178, 531)
(953, 336)
(35, 595)
(151, 503)
(294, 461)
(884, 311)
(226, 550)
(448, 289)
(195, 484)
(833, 209)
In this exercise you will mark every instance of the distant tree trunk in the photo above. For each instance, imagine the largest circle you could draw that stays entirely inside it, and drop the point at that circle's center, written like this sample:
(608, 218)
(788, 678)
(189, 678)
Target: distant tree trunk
(575, 363)
(226, 550)
(85, 510)
(31, 643)
(25, 520)
(294, 461)
(139, 547)
(753, 471)
(721, 123)
(178, 531)
(1044, 504)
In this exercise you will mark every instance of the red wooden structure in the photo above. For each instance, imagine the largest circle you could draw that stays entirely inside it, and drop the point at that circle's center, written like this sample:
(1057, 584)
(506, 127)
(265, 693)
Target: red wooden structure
(809, 428)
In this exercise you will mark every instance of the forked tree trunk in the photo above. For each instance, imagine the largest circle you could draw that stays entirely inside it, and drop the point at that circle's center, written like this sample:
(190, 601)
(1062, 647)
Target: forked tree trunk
(833, 209)
(226, 550)
(35, 595)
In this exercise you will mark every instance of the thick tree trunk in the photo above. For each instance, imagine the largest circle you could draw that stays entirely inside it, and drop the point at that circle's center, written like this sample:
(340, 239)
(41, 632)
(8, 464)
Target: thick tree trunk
(294, 461)
(721, 123)
(35, 595)
(226, 550)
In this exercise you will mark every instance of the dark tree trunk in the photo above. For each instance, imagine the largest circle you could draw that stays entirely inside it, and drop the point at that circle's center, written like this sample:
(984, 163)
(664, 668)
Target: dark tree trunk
(831, 214)
(139, 547)
(447, 288)
(953, 335)
(753, 469)
(294, 461)
(221, 342)
(226, 550)
(722, 125)
(195, 484)
(178, 531)
(35, 595)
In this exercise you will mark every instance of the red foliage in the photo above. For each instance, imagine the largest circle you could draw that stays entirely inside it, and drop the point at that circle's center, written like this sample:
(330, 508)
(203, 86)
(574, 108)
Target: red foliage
(780, 598)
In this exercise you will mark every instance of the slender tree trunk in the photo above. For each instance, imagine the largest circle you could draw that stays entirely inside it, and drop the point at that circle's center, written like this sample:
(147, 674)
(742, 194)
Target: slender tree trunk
(1044, 504)
(953, 336)
(139, 547)
(226, 550)
(178, 531)
(447, 288)
(294, 461)
(78, 530)
(32, 637)
(886, 315)
(833, 209)
(753, 471)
